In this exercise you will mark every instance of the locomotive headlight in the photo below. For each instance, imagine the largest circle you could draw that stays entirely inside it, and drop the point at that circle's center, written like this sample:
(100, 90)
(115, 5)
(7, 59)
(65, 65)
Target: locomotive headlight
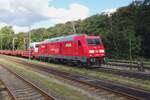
(101, 51)
(91, 51)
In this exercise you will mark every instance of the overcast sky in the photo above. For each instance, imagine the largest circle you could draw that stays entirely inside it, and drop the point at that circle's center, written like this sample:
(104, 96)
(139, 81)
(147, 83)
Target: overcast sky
(22, 14)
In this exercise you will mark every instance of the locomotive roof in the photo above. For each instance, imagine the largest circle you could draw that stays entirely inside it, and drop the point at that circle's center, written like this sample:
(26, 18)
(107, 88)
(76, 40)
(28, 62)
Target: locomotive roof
(63, 38)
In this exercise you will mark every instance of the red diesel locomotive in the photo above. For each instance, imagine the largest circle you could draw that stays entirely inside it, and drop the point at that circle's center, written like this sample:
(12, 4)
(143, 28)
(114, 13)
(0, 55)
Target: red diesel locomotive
(79, 49)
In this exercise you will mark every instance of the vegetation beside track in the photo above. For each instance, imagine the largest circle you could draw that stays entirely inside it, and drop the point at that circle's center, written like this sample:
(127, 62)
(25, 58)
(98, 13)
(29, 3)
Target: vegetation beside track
(51, 83)
(139, 83)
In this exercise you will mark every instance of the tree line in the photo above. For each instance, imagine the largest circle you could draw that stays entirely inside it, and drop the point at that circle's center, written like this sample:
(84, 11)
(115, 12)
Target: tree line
(125, 33)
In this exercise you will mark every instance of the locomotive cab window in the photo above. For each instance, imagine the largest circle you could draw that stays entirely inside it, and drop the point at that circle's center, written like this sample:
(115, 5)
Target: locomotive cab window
(79, 43)
(95, 41)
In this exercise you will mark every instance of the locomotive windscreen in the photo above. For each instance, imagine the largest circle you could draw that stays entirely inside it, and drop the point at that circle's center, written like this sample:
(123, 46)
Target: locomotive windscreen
(93, 41)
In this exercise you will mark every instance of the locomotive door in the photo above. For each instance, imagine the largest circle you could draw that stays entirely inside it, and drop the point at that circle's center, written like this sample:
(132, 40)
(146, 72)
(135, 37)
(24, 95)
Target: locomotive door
(79, 48)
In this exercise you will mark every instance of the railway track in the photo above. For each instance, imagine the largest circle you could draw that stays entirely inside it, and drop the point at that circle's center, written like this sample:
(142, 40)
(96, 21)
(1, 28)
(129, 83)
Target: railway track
(125, 73)
(21, 89)
(121, 72)
(140, 66)
(125, 91)
(4, 92)
(129, 61)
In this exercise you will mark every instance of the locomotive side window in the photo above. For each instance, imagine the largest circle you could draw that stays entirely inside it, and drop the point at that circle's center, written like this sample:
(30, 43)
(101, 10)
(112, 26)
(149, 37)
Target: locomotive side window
(94, 41)
(79, 43)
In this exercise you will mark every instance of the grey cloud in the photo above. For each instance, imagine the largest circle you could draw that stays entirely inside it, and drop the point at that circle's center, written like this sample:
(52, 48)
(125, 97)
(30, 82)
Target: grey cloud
(20, 14)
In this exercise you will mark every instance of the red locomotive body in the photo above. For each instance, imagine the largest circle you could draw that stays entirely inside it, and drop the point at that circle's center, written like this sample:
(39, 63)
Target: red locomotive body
(81, 49)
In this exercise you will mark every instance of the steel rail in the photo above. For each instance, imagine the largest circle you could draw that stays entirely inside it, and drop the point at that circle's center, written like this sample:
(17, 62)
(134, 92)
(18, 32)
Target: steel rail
(9, 91)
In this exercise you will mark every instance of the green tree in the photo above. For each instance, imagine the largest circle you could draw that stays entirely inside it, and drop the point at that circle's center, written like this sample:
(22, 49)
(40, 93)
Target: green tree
(7, 36)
